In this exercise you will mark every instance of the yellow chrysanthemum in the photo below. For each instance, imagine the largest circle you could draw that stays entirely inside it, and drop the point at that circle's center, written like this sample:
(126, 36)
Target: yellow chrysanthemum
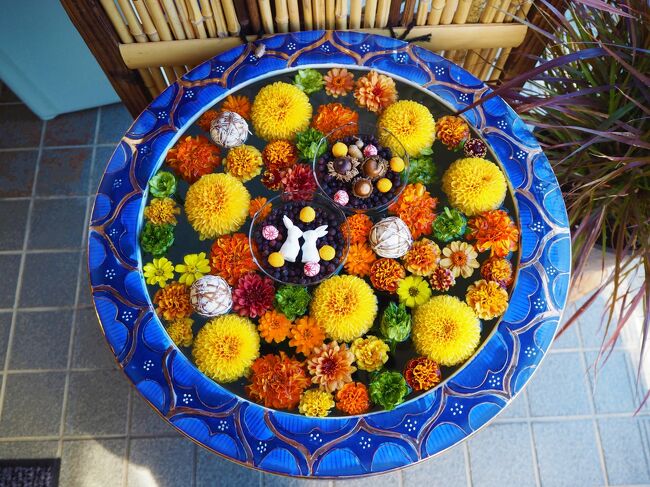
(226, 347)
(180, 331)
(159, 271)
(162, 211)
(370, 353)
(474, 185)
(280, 111)
(413, 291)
(345, 307)
(446, 330)
(244, 162)
(487, 298)
(316, 403)
(411, 123)
(195, 266)
(217, 204)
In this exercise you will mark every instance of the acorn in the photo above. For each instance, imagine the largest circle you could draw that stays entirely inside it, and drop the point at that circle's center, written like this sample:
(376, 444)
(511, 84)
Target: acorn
(374, 167)
(362, 188)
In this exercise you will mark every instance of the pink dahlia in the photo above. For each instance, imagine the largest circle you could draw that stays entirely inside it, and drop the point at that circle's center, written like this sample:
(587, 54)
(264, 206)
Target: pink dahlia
(253, 295)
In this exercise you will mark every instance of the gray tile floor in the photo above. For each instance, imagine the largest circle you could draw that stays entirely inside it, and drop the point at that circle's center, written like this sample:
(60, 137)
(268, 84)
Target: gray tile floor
(565, 429)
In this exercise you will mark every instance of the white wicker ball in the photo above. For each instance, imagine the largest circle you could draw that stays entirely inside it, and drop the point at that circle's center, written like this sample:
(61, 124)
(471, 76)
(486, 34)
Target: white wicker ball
(390, 238)
(229, 130)
(211, 296)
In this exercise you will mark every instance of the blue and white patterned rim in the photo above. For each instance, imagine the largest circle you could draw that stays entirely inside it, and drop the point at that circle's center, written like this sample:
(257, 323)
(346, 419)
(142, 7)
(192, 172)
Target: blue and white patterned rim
(326, 447)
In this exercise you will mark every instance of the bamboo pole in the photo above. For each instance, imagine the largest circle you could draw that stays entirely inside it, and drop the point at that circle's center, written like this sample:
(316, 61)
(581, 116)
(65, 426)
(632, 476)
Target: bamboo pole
(267, 16)
(505, 53)
(231, 17)
(196, 17)
(437, 7)
(448, 12)
(281, 16)
(132, 21)
(319, 13)
(330, 7)
(307, 15)
(471, 61)
(342, 14)
(173, 19)
(147, 23)
(460, 17)
(407, 14)
(158, 19)
(254, 14)
(208, 16)
(294, 15)
(444, 37)
(490, 15)
(183, 14)
(491, 56)
(370, 13)
(383, 13)
(219, 19)
(423, 10)
(355, 14)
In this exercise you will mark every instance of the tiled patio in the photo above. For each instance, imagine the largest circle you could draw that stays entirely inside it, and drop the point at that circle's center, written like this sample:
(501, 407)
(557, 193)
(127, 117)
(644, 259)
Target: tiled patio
(62, 395)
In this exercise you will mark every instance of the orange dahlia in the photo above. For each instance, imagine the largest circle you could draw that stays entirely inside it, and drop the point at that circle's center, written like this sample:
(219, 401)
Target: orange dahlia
(385, 274)
(193, 157)
(358, 228)
(173, 301)
(256, 205)
(274, 326)
(494, 231)
(416, 207)
(375, 91)
(353, 398)
(231, 258)
(238, 104)
(334, 115)
(205, 120)
(422, 374)
(452, 130)
(277, 381)
(360, 260)
(306, 334)
(338, 82)
(497, 269)
(279, 154)
(422, 258)
(331, 366)
(487, 298)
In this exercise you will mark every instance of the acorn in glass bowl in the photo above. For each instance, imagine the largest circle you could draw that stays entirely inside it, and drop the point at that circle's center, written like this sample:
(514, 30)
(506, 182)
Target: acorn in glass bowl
(299, 238)
(359, 171)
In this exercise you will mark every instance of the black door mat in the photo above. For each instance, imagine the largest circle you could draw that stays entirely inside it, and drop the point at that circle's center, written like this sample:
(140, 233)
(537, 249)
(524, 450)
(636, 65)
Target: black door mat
(30, 473)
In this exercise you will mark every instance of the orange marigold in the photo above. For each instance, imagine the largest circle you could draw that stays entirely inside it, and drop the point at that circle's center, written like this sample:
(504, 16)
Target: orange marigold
(353, 398)
(422, 374)
(499, 270)
(256, 205)
(452, 130)
(358, 228)
(385, 274)
(279, 154)
(274, 326)
(277, 381)
(360, 260)
(375, 91)
(306, 334)
(338, 82)
(416, 207)
(334, 115)
(231, 258)
(193, 157)
(205, 120)
(238, 104)
(422, 258)
(494, 231)
(173, 301)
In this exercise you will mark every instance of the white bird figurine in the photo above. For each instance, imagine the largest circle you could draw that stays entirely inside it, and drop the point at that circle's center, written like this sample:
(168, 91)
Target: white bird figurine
(291, 246)
(309, 249)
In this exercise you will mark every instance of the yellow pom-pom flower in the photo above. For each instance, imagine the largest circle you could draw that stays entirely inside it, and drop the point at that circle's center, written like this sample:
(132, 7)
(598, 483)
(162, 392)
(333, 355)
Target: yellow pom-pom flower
(474, 185)
(411, 123)
(244, 162)
(180, 331)
(316, 403)
(217, 204)
(445, 330)
(226, 347)
(370, 353)
(345, 307)
(162, 211)
(487, 298)
(280, 111)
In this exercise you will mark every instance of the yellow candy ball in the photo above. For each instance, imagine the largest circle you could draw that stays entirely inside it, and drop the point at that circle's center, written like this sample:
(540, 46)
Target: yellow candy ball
(397, 164)
(307, 214)
(384, 185)
(327, 252)
(276, 259)
(339, 149)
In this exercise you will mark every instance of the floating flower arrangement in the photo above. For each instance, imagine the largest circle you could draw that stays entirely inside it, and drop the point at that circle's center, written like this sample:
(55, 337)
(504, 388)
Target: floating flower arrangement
(324, 244)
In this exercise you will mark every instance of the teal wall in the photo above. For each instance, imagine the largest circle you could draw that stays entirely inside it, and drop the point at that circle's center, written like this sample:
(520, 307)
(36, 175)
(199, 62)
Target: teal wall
(44, 60)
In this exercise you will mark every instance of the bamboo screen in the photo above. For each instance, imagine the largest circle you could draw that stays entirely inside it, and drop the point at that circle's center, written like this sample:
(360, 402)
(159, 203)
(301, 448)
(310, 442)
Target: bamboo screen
(163, 39)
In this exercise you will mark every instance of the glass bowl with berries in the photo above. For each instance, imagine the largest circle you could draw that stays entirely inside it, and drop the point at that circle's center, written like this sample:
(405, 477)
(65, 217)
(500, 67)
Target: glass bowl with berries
(361, 167)
(299, 238)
